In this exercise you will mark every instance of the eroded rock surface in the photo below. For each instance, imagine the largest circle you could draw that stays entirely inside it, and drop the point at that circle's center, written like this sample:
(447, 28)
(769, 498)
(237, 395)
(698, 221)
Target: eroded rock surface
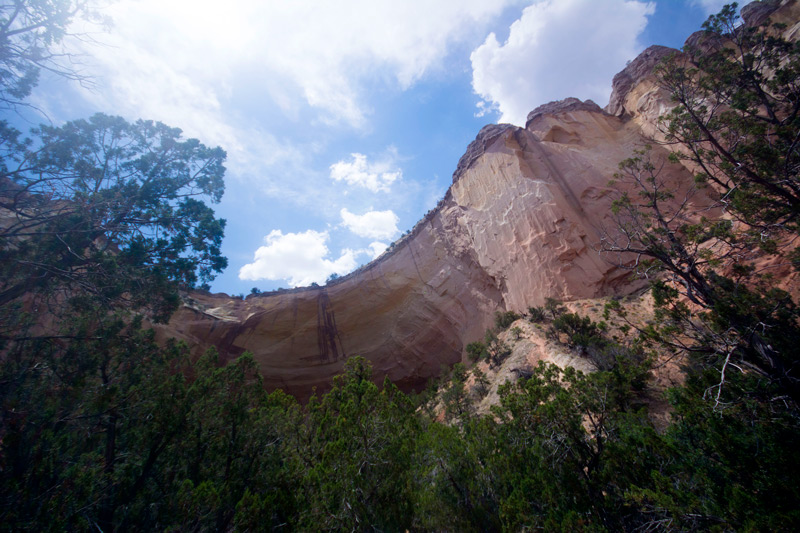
(521, 222)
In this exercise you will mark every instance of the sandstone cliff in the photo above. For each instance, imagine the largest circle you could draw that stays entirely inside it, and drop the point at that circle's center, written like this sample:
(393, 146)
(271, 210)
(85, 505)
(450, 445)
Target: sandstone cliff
(520, 223)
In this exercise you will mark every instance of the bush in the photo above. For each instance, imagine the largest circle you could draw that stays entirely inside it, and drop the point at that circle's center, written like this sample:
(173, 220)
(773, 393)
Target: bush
(476, 350)
(496, 350)
(580, 331)
(481, 382)
(503, 320)
(536, 314)
(554, 307)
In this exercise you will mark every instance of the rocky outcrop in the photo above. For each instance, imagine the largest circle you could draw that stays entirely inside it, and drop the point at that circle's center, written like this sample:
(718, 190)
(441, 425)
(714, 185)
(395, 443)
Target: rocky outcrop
(477, 148)
(632, 77)
(520, 223)
(561, 106)
(636, 94)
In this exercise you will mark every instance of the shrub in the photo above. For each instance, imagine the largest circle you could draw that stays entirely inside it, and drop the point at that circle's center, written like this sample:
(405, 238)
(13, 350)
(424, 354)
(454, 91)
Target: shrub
(496, 350)
(481, 382)
(580, 331)
(554, 307)
(504, 319)
(536, 314)
(476, 350)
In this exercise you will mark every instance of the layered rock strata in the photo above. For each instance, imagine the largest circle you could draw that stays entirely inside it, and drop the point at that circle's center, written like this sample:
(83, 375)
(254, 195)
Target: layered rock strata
(520, 223)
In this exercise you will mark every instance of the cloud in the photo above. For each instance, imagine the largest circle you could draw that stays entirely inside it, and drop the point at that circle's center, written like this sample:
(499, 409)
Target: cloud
(300, 258)
(376, 248)
(172, 62)
(301, 53)
(373, 176)
(372, 224)
(557, 49)
(711, 7)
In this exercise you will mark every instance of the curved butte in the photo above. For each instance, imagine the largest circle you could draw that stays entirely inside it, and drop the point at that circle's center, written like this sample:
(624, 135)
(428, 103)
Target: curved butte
(519, 224)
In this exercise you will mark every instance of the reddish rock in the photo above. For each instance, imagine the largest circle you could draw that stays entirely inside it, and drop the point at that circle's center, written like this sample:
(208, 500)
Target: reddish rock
(520, 223)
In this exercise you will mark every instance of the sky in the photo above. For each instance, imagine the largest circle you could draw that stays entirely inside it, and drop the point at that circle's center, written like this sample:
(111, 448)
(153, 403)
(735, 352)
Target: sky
(344, 120)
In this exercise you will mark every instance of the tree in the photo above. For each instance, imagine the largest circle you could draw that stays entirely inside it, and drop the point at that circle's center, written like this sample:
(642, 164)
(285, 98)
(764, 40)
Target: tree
(735, 123)
(476, 350)
(554, 307)
(357, 469)
(101, 222)
(30, 32)
(504, 319)
(737, 117)
(108, 210)
(482, 382)
(496, 350)
(458, 406)
(536, 314)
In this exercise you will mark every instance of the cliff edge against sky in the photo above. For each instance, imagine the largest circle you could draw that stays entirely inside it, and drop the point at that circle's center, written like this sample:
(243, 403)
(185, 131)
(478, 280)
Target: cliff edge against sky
(520, 223)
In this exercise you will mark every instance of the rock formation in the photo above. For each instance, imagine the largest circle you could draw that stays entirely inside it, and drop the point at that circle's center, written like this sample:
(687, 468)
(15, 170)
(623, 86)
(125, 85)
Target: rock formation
(520, 223)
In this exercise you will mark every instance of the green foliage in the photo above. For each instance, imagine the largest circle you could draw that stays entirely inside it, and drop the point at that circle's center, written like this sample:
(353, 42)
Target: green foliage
(581, 332)
(107, 210)
(536, 314)
(481, 382)
(557, 427)
(737, 117)
(554, 307)
(504, 319)
(458, 405)
(457, 478)
(200, 446)
(476, 350)
(30, 34)
(615, 307)
(94, 436)
(361, 448)
(496, 350)
(102, 428)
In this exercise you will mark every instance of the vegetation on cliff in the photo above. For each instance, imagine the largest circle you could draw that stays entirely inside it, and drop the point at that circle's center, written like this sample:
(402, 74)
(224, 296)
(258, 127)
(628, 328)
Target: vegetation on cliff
(102, 428)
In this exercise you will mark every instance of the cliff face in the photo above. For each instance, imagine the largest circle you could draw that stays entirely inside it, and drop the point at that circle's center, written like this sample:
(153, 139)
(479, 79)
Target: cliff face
(520, 223)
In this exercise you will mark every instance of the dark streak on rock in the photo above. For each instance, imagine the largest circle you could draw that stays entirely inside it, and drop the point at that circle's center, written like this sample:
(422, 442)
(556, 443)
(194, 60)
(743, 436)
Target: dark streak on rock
(328, 339)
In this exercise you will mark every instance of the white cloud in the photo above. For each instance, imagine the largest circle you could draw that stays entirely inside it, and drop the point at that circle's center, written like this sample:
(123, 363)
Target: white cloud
(172, 62)
(712, 7)
(182, 56)
(376, 248)
(373, 176)
(300, 258)
(372, 224)
(556, 49)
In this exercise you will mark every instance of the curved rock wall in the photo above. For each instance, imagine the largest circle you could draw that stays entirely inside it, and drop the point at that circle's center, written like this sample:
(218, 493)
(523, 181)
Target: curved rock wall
(520, 223)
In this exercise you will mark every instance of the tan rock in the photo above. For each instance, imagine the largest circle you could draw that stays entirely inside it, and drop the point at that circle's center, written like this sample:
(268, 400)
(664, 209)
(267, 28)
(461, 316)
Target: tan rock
(519, 224)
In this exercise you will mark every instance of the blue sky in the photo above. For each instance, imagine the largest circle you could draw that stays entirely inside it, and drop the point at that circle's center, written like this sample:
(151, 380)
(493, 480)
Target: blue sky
(343, 121)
